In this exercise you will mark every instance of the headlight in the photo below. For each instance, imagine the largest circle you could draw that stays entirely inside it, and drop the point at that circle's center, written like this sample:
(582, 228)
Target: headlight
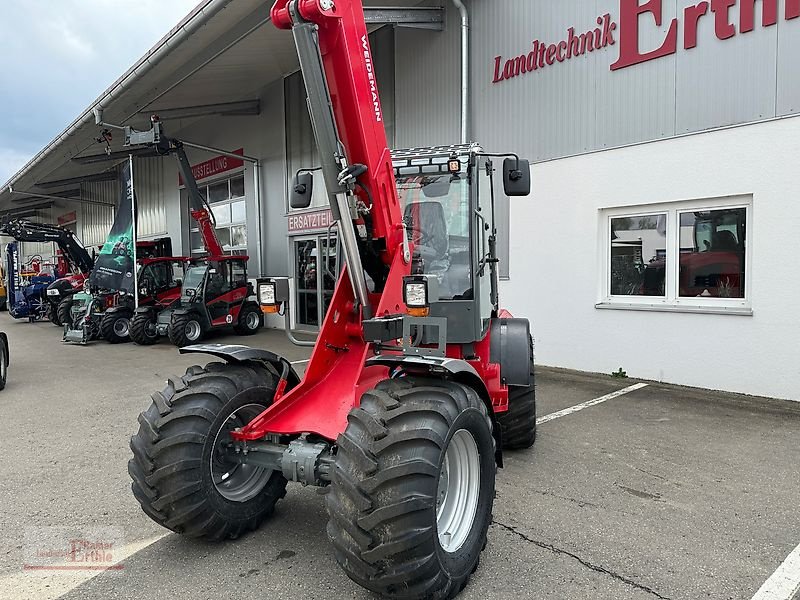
(416, 295)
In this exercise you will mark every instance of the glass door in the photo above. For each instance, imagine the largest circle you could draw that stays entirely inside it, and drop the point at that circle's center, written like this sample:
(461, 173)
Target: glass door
(316, 268)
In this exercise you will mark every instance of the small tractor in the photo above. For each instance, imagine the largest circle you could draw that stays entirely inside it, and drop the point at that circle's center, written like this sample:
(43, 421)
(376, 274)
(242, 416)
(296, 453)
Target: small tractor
(26, 286)
(76, 257)
(216, 294)
(107, 314)
(418, 379)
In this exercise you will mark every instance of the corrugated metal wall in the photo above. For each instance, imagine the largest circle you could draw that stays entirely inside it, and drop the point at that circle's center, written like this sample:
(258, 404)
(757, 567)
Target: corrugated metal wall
(580, 105)
(428, 83)
(96, 219)
(46, 250)
(148, 182)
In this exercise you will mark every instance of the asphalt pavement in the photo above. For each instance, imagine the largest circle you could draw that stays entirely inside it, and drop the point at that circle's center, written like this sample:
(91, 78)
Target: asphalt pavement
(662, 492)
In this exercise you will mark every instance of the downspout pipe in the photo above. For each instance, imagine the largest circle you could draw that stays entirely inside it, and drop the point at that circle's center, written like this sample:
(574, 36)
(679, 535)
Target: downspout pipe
(465, 66)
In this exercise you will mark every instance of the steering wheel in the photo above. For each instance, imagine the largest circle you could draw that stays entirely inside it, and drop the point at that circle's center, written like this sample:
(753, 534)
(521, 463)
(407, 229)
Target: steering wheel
(424, 235)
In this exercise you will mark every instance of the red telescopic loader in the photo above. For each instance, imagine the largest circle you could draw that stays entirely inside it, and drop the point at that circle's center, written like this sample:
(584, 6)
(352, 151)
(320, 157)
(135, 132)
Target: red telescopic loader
(417, 381)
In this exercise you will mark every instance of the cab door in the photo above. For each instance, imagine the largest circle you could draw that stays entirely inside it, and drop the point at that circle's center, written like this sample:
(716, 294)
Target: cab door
(226, 291)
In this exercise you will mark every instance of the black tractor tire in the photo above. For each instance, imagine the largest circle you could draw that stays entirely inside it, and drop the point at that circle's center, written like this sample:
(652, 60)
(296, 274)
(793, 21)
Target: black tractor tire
(143, 329)
(115, 327)
(383, 501)
(178, 329)
(65, 311)
(52, 314)
(518, 424)
(246, 322)
(3, 362)
(173, 453)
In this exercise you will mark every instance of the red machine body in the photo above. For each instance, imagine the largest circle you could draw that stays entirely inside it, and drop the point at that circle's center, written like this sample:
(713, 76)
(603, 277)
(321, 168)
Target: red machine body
(337, 374)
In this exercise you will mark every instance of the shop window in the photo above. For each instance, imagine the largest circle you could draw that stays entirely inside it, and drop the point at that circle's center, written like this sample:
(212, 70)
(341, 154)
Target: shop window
(683, 256)
(229, 209)
(638, 255)
(712, 263)
(237, 187)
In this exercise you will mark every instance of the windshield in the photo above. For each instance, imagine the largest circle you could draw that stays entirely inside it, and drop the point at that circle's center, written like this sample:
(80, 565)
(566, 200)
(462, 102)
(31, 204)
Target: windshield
(436, 211)
(194, 277)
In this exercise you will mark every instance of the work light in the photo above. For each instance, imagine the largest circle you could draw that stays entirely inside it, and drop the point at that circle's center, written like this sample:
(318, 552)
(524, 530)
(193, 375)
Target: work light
(417, 294)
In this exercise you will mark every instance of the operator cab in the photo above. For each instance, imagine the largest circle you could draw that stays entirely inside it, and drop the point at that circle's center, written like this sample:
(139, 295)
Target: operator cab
(216, 286)
(447, 197)
(157, 276)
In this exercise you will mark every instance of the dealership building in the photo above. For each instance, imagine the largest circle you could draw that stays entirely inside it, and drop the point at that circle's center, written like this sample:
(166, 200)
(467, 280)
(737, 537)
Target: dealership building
(662, 136)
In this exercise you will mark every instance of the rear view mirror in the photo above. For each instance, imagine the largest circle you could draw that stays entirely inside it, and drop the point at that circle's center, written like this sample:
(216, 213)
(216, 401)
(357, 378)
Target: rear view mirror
(302, 190)
(436, 189)
(516, 177)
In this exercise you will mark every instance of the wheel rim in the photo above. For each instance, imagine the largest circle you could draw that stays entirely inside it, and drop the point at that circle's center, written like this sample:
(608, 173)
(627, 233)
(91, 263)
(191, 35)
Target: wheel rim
(3, 366)
(235, 481)
(458, 491)
(122, 327)
(251, 321)
(150, 329)
(192, 331)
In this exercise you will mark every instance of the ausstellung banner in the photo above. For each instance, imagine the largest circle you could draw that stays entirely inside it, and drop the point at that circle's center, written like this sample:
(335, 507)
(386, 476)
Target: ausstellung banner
(115, 268)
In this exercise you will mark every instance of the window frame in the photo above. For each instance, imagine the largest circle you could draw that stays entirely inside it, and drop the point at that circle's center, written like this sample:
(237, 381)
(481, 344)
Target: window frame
(204, 186)
(672, 301)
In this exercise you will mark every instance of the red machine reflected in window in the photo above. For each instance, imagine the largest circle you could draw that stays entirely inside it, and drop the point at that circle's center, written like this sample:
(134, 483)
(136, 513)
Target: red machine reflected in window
(714, 265)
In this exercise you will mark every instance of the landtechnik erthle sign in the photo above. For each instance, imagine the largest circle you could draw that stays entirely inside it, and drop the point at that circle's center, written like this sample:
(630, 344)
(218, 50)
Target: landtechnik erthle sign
(635, 15)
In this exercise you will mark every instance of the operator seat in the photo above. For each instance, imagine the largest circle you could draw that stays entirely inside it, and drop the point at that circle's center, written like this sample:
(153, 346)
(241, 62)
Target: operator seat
(430, 236)
(429, 229)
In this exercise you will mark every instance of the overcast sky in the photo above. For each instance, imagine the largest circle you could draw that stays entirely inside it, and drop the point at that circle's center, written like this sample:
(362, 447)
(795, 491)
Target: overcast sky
(58, 56)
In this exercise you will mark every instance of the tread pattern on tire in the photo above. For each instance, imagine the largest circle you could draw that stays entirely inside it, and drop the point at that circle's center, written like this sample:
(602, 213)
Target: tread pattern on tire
(240, 328)
(518, 425)
(167, 453)
(107, 327)
(139, 324)
(53, 314)
(386, 472)
(177, 330)
(65, 311)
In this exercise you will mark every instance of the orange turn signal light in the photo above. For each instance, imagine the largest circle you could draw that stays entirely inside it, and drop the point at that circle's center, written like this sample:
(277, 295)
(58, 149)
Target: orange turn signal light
(272, 309)
(419, 312)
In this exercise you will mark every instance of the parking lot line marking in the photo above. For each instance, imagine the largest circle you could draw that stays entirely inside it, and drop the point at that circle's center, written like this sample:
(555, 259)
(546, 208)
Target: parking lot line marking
(301, 362)
(596, 401)
(785, 582)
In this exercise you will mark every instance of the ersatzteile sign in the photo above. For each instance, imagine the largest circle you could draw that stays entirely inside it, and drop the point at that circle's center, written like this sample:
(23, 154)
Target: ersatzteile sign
(310, 221)
(216, 166)
(634, 16)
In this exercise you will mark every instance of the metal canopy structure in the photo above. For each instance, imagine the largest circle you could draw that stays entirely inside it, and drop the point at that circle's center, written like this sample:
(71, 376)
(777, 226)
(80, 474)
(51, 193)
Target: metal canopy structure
(219, 60)
(419, 17)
